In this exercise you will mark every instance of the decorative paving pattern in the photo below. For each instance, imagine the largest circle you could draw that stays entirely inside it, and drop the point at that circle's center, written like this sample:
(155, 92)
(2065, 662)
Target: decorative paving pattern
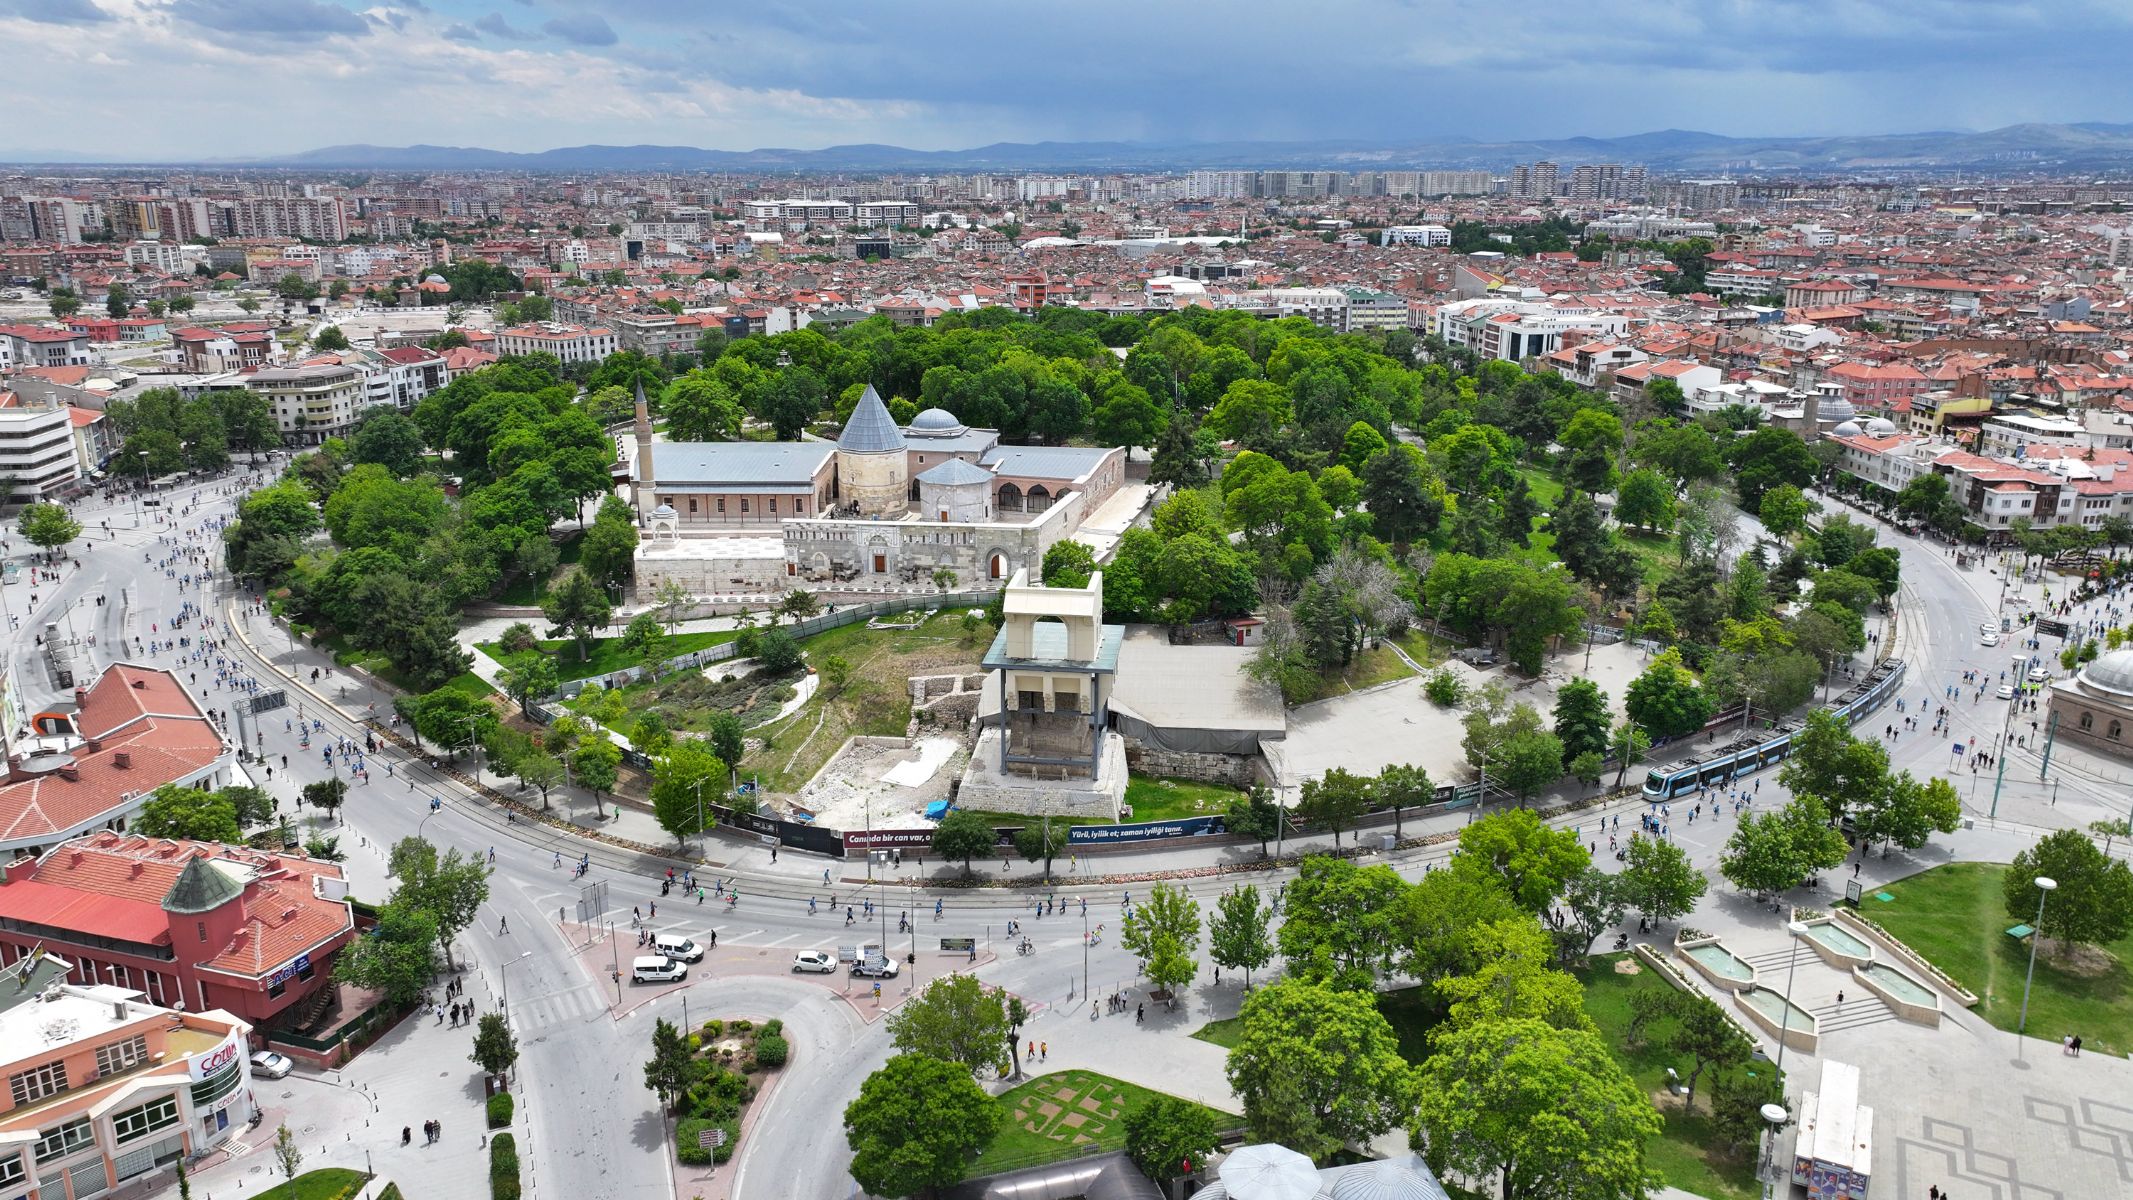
(1071, 1110)
(2103, 1129)
(1949, 1158)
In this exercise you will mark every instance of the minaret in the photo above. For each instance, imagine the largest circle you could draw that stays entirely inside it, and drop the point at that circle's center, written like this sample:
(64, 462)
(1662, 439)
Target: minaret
(641, 489)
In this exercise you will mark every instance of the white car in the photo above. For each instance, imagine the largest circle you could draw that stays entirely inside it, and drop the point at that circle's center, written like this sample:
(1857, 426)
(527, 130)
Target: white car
(1988, 636)
(269, 1065)
(2006, 691)
(820, 961)
(2039, 675)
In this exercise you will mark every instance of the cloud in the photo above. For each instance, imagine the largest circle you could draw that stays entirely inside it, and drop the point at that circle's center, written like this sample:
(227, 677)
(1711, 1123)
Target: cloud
(495, 26)
(288, 20)
(582, 29)
(55, 12)
(461, 33)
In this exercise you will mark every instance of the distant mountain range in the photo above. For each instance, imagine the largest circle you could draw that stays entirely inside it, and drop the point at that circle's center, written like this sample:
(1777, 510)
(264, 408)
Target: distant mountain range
(2034, 147)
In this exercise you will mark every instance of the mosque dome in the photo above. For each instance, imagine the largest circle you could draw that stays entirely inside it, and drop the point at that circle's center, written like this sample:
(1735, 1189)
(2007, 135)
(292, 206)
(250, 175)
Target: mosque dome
(1846, 429)
(1835, 408)
(935, 422)
(2112, 672)
(1881, 427)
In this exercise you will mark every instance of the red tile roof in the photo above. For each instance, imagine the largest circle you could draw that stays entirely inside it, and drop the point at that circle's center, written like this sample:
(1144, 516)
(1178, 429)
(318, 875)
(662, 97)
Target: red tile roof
(141, 712)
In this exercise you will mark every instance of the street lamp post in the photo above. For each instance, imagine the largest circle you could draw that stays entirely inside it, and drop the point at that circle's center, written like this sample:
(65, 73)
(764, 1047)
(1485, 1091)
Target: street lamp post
(1794, 930)
(2046, 885)
(504, 972)
(1775, 1116)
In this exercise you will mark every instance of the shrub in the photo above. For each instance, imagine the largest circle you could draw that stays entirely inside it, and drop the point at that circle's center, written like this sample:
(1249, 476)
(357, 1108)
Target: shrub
(742, 1026)
(725, 1150)
(713, 1028)
(519, 637)
(776, 652)
(773, 1027)
(503, 1168)
(500, 1108)
(771, 1050)
(685, 1146)
(1444, 688)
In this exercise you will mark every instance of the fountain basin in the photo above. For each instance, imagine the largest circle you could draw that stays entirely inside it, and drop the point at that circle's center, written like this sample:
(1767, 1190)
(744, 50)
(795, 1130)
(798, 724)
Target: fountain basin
(1838, 946)
(1907, 997)
(1719, 966)
(1779, 1018)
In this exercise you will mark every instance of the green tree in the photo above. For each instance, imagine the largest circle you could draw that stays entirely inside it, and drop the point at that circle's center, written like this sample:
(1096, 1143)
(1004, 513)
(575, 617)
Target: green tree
(1166, 1133)
(495, 1046)
(1403, 786)
(1774, 852)
(1629, 744)
(681, 777)
(578, 606)
(1658, 880)
(1334, 801)
(1335, 1050)
(958, 1020)
(700, 407)
(1512, 981)
(607, 551)
(916, 1126)
(1341, 923)
(188, 814)
(451, 888)
(1765, 459)
(1843, 772)
(595, 763)
(1527, 762)
(1547, 1111)
(1237, 931)
(47, 526)
(528, 676)
(1533, 860)
(1666, 700)
(1041, 840)
(329, 337)
(327, 794)
(1591, 905)
(1645, 499)
(64, 303)
(2093, 904)
(118, 301)
(1163, 932)
(965, 835)
(1784, 510)
(672, 1063)
(397, 957)
(1253, 815)
(1906, 811)
(286, 1155)
(646, 641)
(1068, 564)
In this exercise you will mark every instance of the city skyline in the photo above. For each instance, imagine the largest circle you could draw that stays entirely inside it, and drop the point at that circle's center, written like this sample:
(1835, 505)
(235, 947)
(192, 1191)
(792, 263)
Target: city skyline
(170, 76)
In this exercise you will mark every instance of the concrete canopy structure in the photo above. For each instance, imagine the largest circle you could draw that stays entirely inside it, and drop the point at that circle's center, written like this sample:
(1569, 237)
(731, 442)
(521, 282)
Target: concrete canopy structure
(1054, 660)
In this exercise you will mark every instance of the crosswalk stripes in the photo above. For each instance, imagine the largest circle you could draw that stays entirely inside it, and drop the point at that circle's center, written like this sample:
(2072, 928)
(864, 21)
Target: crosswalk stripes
(557, 1007)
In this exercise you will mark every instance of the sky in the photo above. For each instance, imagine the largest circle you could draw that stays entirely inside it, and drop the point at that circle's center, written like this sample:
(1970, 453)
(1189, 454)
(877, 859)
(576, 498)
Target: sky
(171, 80)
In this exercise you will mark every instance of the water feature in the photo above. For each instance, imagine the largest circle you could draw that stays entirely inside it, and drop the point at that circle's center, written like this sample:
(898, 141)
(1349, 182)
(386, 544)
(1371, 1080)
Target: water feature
(1716, 959)
(1774, 1007)
(1900, 985)
(1841, 940)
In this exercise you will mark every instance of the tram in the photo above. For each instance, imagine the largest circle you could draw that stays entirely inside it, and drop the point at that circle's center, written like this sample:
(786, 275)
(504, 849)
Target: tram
(1749, 755)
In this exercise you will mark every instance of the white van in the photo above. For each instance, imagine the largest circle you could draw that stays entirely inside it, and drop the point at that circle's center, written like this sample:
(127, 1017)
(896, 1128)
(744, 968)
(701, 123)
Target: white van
(677, 947)
(657, 968)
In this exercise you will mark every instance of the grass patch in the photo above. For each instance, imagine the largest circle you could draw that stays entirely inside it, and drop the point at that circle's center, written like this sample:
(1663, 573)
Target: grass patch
(1955, 916)
(327, 1183)
(470, 683)
(524, 590)
(688, 700)
(1065, 1114)
(1380, 664)
(1657, 554)
(1678, 1154)
(1424, 648)
(875, 702)
(1543, 487)
(1156, 798)
(608, 654)
(379, 665)
(1226, 1032)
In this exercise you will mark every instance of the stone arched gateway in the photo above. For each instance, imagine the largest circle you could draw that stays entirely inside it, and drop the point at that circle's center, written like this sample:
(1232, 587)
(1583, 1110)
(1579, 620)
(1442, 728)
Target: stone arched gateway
(878, 554)
(997, 564)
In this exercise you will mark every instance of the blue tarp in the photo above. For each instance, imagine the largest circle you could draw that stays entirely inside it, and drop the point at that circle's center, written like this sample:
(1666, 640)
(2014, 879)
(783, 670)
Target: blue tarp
(936, 810)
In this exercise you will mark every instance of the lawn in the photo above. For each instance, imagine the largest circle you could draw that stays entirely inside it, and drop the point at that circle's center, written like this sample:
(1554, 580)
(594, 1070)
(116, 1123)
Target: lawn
(1372, 667)
(1063, 1115)
(1156, 798)
(326, 1183)
(1678, 1154)
(1955, 917)
(382, 667)
(876, 701)
(608, 654)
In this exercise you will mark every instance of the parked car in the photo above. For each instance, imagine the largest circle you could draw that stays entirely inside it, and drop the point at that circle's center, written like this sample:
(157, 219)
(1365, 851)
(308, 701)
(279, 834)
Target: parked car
(1988, 635)
(268, 1065)
(2006, 691)
(819, 961)
(2039, 675)
(875, 968)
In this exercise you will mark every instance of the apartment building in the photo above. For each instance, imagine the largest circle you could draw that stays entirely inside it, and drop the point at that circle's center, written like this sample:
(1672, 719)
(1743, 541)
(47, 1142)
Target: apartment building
(312, 402)
(37, 454)
(569, 343)
(1606, 181)
(105, 1087)
(229, 348)
(1515, 330)
(1369, 310)
(1415, 235)
(42, 346)
(1884, 387)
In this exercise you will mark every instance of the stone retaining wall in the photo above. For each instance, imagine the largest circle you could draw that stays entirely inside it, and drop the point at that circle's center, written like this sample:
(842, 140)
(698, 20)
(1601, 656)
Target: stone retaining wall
(1236, 770)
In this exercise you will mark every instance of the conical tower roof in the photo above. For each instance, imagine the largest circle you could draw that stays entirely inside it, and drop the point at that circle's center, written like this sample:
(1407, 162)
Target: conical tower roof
(871, 430)
(201, 888)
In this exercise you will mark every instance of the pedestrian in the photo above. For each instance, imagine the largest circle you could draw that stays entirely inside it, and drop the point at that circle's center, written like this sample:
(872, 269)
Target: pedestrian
(714, 933)
(1840, 998)
(503, 925)
(1044, 1051)
(407, 1135)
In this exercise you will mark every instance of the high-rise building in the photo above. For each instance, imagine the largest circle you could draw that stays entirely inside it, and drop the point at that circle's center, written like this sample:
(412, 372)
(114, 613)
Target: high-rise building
(1606, 181)
(1533, 181)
